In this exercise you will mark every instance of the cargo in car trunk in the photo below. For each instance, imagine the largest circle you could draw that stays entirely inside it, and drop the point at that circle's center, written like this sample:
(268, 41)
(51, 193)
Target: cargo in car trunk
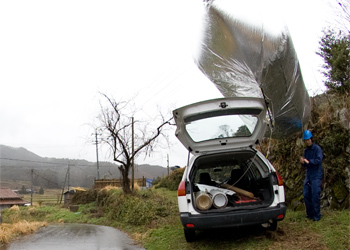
(229, 181)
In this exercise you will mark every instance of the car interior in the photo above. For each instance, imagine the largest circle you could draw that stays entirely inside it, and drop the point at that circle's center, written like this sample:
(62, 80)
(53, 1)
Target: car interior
(242, 172)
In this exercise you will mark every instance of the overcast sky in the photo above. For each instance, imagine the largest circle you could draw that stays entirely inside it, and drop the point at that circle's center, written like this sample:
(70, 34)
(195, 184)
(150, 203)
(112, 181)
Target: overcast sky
(56, 56)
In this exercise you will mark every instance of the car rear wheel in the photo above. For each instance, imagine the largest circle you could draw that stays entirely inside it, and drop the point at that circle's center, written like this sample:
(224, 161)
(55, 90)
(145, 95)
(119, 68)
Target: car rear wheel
(189, 235)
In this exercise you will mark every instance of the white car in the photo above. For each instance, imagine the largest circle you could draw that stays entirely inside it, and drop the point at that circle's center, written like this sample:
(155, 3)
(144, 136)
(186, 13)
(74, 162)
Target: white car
(227, 182)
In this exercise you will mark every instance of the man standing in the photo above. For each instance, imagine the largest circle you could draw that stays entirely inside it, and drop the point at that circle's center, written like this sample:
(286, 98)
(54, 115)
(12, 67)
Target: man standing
(312, 161)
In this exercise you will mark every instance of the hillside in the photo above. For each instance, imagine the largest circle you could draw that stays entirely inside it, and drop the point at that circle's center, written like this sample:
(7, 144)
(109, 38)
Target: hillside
(16, 165)
(17, 153)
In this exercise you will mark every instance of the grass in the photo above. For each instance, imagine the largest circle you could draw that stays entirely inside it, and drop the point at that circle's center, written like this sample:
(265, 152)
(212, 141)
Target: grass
(331, 232)
(295, 232)
(8, 232)
(17, 226)
(333, 228)
(151, 217)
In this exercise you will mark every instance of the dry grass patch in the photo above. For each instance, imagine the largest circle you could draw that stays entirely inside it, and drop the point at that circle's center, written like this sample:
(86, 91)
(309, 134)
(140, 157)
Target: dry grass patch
(109, 187)
(136, 186)
(14, 208)
(9, 232)
(138, 236)
(291, 236)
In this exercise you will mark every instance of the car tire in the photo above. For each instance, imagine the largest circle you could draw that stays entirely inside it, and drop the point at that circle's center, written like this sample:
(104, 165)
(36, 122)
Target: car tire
(270, 225)
(189, 235)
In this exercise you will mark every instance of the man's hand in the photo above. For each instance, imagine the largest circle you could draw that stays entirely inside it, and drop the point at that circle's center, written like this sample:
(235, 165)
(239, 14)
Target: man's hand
(303, 160)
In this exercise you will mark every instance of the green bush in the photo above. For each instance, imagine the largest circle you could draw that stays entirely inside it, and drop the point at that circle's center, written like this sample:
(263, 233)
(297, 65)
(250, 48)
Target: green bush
(144, 207)
(171, 181)
(84, 197)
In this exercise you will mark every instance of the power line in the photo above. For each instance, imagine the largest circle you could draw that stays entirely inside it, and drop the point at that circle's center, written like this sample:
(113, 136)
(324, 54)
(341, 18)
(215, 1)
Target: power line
(165, 84)
(45, 162)
(162, 78)
(44, 178)
(167, 89)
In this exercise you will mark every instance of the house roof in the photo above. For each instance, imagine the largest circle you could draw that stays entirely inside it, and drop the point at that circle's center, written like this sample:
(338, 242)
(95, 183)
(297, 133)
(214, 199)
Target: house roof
(6, 193)
(8, 197)
(72, 191)
(13, 202)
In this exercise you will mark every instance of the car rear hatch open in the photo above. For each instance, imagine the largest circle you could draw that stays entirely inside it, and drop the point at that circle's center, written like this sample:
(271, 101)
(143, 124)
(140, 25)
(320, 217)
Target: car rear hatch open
(221, 124)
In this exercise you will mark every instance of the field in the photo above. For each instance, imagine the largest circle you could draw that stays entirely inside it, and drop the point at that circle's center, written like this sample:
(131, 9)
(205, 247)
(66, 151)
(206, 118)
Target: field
(50, 197)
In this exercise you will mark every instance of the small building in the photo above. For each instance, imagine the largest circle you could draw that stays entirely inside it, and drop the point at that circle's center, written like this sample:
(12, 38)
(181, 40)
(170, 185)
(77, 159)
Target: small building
(68, 196)
(8, 198)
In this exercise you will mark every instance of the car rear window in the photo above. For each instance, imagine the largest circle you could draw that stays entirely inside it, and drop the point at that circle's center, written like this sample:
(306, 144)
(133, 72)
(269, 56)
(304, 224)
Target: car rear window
(225, 126)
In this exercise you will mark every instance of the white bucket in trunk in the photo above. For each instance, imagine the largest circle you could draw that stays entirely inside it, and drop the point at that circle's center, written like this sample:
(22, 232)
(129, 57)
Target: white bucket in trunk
(219, 199)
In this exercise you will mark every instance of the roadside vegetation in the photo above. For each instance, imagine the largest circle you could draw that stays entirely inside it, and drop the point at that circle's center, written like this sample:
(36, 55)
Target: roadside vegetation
(151, 218)
(16, 226)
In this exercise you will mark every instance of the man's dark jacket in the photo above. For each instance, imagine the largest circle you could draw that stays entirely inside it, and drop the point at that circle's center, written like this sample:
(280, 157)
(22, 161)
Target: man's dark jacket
(314, 169)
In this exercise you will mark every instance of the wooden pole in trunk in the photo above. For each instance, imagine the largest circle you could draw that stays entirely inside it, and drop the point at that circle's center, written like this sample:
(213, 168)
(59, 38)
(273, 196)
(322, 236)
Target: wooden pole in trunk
(238, 190)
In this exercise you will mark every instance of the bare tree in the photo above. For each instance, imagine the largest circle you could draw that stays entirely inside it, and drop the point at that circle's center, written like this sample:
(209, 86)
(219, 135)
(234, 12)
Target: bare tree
(344, 14)
(116, 123)
(340, 10)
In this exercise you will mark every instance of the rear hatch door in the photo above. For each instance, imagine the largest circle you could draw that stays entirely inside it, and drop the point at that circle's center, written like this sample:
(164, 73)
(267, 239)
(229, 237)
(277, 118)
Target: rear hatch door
(221, 124)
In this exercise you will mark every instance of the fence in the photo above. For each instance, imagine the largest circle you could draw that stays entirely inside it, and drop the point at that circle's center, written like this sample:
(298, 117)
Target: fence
(101, 183)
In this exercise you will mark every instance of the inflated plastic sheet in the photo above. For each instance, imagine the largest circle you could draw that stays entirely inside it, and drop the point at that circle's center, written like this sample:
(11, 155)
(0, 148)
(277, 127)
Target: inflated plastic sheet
(246, 50)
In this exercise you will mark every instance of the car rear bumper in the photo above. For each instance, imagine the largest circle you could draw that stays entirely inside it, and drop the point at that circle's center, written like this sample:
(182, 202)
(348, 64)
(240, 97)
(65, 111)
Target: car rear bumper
(234, 218)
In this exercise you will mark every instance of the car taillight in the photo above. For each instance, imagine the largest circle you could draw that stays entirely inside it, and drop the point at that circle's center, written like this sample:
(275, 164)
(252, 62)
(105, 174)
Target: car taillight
(181, 191)
(279, 178)
(280, 217)
(190, 225)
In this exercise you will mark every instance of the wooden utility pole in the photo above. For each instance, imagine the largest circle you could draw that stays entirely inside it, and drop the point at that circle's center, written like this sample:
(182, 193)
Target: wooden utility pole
(68, 177)
(31, 188)
(64, 184)
(133, 156)
(97, 164)
(167, 160)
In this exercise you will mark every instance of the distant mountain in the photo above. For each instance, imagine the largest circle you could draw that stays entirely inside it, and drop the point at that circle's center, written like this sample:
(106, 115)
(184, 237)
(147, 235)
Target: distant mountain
(17, 153)
(17, 163)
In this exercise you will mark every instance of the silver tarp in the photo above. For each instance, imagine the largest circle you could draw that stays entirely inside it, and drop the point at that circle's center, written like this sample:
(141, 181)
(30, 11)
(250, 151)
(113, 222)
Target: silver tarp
(245, 51)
